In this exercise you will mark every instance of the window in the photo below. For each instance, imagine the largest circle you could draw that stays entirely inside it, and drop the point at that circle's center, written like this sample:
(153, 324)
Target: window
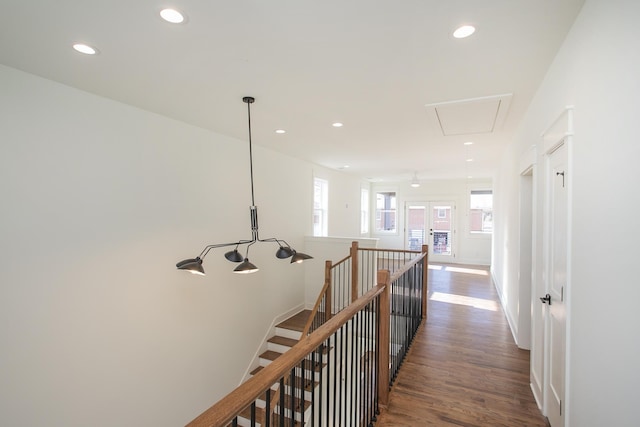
(386, 211)
(320, 206)
(364, 211)
(481, 211)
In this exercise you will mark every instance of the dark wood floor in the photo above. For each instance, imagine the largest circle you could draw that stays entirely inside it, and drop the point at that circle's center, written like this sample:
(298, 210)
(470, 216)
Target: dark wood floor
(463, 368)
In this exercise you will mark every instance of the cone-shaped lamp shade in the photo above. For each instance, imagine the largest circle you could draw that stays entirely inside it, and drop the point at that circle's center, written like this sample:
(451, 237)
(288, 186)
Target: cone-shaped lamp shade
(298, 257)
(246, 267)
(192, 265)
(234, 256)
(284, 252)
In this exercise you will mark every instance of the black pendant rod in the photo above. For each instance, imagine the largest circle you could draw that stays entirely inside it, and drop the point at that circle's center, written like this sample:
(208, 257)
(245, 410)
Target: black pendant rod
(249, 100)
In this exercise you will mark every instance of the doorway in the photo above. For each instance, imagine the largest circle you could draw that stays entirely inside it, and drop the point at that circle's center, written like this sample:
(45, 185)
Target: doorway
(431, 223)
(557, 177)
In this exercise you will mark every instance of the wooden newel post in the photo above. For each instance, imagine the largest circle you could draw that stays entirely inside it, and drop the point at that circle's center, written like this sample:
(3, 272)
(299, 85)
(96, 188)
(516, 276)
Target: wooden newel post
(354, 270)
(384, 318)
(425, 279)
(328, 303)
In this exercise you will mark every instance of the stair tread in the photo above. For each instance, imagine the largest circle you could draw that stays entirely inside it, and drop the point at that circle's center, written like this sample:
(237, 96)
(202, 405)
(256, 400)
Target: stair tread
(246, 414)
(288, 342)
(295, 322)
(270, 355)
(297, 378)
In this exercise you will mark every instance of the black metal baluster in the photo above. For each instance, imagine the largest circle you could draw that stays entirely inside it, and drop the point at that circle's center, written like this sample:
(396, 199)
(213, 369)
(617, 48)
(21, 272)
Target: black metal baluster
(377, 365)
(357, 386)
(370, 391)
(292, 395)
(281, 403)
(351, 355)
(313, 385)
(338, 407)
(327, 385)
(253, 414)
(267, 418)
(335, 375)
(363, 350)
(343, 377)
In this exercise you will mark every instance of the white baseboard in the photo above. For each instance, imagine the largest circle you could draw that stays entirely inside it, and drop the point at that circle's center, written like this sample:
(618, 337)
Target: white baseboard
(512, 323)
(268, 334)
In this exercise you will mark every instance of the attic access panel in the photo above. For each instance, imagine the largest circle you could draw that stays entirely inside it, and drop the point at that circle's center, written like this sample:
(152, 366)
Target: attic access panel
(471, 116)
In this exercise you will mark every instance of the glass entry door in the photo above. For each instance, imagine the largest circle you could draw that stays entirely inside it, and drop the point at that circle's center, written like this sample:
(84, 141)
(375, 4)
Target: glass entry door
(431, 223)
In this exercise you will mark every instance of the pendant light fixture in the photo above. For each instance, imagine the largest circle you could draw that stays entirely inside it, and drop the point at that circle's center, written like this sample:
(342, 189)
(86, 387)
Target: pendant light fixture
(194, 265)
(415, 183)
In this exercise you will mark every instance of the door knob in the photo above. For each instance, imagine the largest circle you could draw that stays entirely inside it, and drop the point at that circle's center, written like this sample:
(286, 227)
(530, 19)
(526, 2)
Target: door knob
(546, 299)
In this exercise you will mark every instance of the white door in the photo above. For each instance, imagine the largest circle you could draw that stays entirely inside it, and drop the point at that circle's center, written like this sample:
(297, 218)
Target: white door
(557, 280)
(431, 223)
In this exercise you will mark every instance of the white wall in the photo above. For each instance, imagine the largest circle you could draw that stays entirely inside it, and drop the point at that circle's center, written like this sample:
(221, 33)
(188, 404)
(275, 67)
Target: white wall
(469, 248)
(344, 202)
(99, 201)
(597, 71)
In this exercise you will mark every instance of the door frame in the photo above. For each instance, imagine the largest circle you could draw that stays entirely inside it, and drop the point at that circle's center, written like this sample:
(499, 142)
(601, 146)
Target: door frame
(451, 201)
(559, 132)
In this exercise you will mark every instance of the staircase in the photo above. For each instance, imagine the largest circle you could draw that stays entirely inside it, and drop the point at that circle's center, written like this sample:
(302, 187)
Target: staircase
(287, 334)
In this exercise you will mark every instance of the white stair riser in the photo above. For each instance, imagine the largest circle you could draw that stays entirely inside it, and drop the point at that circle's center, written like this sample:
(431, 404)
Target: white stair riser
(243, 422)
(277, 347)
(288, 333)
(264, 362)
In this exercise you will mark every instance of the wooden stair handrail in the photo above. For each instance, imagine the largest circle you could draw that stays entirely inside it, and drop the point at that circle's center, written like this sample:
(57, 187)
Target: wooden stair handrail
(406, 267)
(401, 251)
(225, 410)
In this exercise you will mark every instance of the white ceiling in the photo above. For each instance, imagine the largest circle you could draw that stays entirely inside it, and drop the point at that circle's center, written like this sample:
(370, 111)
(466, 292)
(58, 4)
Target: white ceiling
(378, 66)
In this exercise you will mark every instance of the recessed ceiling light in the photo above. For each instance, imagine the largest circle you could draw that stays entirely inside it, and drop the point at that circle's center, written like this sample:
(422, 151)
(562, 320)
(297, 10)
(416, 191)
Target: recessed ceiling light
(85, 48)
(464, 31)
(281, 131)
(337, 125)
(468, 143)
(172, 15)
(469, 160)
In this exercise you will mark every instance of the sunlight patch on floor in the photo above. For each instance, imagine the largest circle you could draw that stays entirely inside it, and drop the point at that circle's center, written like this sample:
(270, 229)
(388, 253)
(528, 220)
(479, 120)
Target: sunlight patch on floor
(467, 270)
(480, 303)
(435, 267)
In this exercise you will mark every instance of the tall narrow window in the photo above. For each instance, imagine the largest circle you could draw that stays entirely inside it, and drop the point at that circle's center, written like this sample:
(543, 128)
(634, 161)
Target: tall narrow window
(364, 211)
(320, 206)
(481, 211)
(386, 211)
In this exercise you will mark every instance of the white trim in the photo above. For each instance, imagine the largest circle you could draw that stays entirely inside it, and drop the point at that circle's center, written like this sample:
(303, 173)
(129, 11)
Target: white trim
(560, 132)
(528, 160)
(513, 326)
(560, 128)
(268, 334)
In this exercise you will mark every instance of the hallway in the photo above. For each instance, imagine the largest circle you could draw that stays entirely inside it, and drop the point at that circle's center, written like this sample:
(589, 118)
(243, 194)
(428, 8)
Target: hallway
(463, 368)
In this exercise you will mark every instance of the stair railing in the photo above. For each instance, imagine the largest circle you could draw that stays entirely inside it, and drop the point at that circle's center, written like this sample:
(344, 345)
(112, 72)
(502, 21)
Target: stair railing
(399, 311)
(347, 278)
(354, 275)
(322, 311)
(348, 388)
(408, 296)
